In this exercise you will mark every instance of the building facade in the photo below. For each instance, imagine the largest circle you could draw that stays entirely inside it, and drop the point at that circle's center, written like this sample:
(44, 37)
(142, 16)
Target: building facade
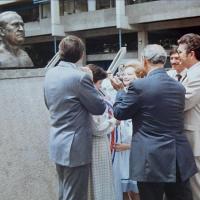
(105, 25)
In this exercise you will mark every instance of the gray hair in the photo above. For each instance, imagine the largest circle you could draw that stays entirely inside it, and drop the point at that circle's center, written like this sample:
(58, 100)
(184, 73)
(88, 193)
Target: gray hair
(155, 54)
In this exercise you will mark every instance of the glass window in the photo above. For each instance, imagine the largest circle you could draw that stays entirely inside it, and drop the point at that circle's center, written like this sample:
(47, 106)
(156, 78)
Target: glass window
(45, 10)
(168, 38)
(72, 6)
(103, 4)
(81, 6)
(102, 44)
(110, 43)
(130, 2)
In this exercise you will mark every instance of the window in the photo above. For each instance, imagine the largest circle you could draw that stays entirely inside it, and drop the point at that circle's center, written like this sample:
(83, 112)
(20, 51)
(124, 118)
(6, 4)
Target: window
(103, 4)
(130, 2)
(45, 10)
(72, 6)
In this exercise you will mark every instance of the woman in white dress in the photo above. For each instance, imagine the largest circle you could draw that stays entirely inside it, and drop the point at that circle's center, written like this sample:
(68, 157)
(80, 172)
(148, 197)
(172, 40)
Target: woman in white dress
(121, 146)
(101, 177)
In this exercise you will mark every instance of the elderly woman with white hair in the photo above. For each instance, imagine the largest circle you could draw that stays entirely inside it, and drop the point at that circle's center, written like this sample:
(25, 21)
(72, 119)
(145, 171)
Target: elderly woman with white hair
(125, 187)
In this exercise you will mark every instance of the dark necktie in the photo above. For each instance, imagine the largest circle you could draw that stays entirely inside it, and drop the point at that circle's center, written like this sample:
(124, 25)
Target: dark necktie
(178, 77)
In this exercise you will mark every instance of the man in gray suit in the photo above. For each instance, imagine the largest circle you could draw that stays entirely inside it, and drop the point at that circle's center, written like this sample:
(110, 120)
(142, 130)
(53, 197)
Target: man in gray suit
(189, 53)
(71, 100)
(161, 159)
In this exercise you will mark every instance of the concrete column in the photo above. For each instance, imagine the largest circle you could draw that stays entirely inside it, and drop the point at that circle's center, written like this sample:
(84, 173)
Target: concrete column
(121, 18)
(91, 5)
(56, 27)
(120, 13)
(142, 42)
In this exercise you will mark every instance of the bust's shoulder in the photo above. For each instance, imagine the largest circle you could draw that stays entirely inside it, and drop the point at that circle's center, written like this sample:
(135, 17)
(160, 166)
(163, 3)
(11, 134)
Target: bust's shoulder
(8, 59)
(24, 59)
(21, 52)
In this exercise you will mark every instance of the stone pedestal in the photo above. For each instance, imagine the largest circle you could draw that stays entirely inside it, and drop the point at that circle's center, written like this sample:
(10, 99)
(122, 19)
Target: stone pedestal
(25, 170)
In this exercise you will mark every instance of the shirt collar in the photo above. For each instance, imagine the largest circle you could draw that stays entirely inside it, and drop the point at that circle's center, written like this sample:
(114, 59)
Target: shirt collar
(183, 73)
(193, 68)
(67, 64)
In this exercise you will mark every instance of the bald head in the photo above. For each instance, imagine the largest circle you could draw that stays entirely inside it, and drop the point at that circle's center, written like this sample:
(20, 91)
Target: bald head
(6, 17)
(11, 28)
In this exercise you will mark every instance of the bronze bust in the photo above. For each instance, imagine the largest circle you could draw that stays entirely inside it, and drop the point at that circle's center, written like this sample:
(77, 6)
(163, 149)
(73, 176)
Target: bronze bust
(11, 38)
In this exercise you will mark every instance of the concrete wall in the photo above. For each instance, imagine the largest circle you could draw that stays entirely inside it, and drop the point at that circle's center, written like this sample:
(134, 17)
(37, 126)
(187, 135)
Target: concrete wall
(25, 170)
(74, 22)
(137, 14)
(109, 56)
(162, 10)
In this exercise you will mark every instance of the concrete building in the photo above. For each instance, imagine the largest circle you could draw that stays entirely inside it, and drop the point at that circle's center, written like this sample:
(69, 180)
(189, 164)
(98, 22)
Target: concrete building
(105, 25)
(26, 173)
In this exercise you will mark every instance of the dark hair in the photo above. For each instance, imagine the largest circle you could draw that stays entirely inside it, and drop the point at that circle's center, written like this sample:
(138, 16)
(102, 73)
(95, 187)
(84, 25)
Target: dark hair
(71, 49)
(173, 50)
(193, 43)
(98, 72)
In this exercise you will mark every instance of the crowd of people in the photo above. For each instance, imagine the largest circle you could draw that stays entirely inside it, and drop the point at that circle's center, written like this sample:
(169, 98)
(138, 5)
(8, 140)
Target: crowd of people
(134, 135)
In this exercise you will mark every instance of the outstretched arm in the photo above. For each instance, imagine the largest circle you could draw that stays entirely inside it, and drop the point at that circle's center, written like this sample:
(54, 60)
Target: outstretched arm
(126, 104)
(90, 97)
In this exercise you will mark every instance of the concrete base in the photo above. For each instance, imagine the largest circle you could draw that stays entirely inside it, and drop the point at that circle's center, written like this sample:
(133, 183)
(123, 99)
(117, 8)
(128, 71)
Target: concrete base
(25, 170)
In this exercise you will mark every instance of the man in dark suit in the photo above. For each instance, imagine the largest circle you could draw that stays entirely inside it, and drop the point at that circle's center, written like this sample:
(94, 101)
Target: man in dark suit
(161, 159)
(71, 98)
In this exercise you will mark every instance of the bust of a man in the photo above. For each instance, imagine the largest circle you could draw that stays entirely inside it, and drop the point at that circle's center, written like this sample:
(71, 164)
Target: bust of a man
(11, 38)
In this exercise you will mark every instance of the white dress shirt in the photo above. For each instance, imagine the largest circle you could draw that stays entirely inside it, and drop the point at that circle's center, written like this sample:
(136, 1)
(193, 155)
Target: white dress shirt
(173, 73)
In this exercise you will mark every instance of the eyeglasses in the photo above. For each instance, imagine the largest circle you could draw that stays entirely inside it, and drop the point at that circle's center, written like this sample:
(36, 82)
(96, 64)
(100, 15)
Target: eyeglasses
(189, 51)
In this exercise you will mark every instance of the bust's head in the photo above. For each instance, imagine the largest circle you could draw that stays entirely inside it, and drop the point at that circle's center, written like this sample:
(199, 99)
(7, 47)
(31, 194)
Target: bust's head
(11, 28)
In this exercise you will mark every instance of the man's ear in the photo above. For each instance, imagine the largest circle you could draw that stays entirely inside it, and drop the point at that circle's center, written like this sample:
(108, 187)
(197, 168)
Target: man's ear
(2, 33)
(193, 54)
(146, 64)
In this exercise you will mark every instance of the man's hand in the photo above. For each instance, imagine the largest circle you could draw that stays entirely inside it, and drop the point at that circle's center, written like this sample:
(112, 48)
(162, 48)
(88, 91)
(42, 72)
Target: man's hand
(88, 71)
(116, 83)
(121, 147)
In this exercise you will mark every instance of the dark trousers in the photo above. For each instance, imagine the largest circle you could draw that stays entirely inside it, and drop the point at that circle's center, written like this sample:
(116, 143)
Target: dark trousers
(173, 191)
(73, 182)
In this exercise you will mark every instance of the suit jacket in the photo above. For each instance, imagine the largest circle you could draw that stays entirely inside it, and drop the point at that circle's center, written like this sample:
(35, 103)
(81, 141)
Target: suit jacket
(155, 104)
(192, 107)
(71, 99)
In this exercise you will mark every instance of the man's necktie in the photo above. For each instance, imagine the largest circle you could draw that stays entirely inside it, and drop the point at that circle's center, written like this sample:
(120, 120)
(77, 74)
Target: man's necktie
(178, 77)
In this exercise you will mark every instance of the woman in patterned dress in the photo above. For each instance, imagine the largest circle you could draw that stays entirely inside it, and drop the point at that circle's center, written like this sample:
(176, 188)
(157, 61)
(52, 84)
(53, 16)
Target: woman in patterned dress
(101, 178)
